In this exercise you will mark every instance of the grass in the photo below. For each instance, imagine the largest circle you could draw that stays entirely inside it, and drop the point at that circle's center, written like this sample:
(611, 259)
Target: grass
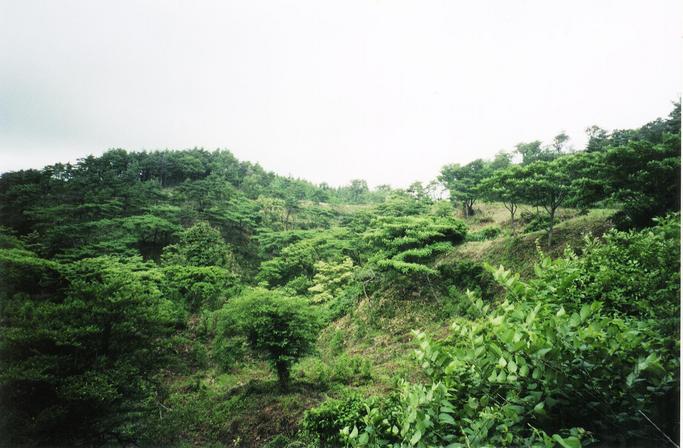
(519, 251)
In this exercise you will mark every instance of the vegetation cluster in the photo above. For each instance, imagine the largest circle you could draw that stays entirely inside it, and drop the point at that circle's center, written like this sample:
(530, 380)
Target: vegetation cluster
(186, 298)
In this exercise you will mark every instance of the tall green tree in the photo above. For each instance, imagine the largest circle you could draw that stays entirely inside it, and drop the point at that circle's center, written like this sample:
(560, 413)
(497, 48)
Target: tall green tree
(506, 186)
(463, 183)
(200, 245)
(549, 184)
(645, 177)
(82, 350)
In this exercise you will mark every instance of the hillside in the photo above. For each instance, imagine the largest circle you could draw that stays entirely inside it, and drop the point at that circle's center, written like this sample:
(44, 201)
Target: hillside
(185, 298)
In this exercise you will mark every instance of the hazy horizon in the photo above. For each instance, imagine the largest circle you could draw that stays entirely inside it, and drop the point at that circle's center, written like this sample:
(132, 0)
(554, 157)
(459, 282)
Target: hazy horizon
(383, 91)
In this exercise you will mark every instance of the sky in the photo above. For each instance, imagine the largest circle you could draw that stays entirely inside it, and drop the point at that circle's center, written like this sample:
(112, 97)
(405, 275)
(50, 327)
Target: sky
(384, 90)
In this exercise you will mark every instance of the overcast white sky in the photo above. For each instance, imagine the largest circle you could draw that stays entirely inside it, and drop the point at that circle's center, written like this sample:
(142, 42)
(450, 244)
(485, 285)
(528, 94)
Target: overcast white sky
(384, 90)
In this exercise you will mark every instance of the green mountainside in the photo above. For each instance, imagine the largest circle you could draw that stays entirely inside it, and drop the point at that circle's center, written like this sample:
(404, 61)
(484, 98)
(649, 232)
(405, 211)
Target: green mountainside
(186, 298)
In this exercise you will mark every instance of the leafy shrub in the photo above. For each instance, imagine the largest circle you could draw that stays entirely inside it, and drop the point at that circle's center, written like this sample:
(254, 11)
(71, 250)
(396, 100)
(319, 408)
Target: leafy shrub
(198, 287)
(344, 369)
(408, 244)
(325, 422)
(534, 222)
(468, 275)
(550, 364)
(228, 346)
(487, 233)
(442, 209)
(402, 204)
(345, 300)
(279, 441)
(330, 279)
(481, 219)
(634, 274)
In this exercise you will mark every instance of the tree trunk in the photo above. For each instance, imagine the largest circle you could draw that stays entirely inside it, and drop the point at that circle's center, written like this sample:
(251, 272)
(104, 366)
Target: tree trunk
(468, 208)
(512, 219)
(550, 227)
(282, 375)
(286, 223)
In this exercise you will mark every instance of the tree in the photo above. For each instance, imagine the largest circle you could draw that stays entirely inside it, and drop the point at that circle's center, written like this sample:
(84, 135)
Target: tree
(198, 287)
(271, 212)
(501, 160)
(645, 177)
(505, 186)
(292, 193)
(550, 185)
(463, 182)
(530, 152)
(330, 279)
(597, 138)
(82, 346)
(200, 245)
(277, 327)
(559, 142)
(357, 190)
(418, 192)
(407, 244)
(151, 234)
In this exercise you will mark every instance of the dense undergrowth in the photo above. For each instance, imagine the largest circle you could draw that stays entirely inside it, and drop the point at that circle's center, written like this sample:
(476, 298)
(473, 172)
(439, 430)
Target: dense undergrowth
(189, 299)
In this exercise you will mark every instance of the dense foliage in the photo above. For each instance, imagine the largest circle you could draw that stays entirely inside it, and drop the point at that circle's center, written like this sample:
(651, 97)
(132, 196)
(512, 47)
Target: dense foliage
(280, 328)
(176, 298)
(556, 361)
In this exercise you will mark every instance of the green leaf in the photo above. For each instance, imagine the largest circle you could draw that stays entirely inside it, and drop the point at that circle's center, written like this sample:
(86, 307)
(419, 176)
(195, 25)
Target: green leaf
(585, 312)
(569, 442)
(542, 352)
(416, 437)
(524, 370)
(512, 367)
(445, 418)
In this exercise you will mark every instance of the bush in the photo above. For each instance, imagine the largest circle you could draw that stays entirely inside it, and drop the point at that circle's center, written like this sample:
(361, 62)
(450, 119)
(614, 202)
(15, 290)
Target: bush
(533, 222)
(468, 275)
(343, 370)
(407, 244)
(487, 233)
(325, 422)
(561, 360)
(277, 327)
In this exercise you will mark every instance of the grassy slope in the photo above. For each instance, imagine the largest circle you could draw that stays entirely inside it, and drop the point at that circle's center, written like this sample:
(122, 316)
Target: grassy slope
(366, 349)
(520, 251)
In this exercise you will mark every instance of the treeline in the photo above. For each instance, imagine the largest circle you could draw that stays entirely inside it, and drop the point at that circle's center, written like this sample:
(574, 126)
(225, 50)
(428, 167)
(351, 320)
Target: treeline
(636, 170)
(121, 183)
